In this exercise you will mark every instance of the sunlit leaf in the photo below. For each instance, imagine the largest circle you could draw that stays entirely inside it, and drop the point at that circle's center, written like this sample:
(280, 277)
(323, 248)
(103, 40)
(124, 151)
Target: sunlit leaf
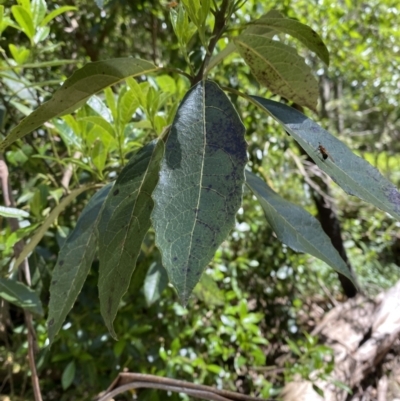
(39, 9)
(155, 282)
(200, 186)
(99, 155)
(75, 91)
(55, 13)
(24, 20)
(295, 227)
(19, 294)
(302, 32)
(12, 212)
(279, 68)
(355, 175)
(31, 245)
(208, 291)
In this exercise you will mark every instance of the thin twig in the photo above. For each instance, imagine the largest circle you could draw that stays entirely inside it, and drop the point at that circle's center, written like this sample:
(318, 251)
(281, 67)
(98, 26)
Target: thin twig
(66, 178)
(176, 70)
(205, 395)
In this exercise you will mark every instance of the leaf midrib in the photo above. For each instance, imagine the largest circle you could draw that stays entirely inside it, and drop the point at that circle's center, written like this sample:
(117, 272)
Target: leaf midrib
(132, 217)
(200, 188)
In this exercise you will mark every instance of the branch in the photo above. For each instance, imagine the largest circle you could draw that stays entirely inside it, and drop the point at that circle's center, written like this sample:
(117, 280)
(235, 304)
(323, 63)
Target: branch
(219, 28)
(127, 381)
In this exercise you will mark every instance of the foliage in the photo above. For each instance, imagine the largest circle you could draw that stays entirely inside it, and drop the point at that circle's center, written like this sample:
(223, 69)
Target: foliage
(221, 338)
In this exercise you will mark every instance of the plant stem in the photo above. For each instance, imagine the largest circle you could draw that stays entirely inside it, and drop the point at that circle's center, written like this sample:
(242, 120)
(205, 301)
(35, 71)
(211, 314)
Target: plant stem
(219, 28)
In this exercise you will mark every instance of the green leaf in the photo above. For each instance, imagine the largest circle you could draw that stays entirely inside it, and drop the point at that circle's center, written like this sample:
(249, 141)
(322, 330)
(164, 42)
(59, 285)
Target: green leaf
(279, 68)
(192, 7)
(318, 390)
(123, 224)
(295, 227)
(75, 91)
(355, 175)
(20, 54)
(294, 348)
(55, 13)
(97, 133)
(39, 200)
(200, 186)
(39, 9)
(17, 235)
(24, 20)
(101, 122)
(99, 155)
(127, 105)
(342, 386)
(229, 49)
(68, 375)
(166, 83)
(19, 294)
(260, 29)
(28, 248)
(110, 100)
(74, 262)
(155, 282)
(208, 291)
(26, 4)
(12, 212)
(41, 34)
(302, 32)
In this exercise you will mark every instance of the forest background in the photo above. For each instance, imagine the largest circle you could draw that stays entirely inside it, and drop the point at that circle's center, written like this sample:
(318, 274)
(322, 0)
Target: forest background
(249, 331)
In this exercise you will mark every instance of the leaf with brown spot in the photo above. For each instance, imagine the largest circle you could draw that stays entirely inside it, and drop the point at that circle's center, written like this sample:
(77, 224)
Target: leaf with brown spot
(279, 68)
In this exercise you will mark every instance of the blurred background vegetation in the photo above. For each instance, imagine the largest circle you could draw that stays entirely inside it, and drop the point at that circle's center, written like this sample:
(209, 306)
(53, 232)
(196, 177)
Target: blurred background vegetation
(249, 331)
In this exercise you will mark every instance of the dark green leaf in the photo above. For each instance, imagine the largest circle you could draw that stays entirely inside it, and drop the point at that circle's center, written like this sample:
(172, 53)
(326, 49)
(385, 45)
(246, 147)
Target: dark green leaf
(85, 82)
(73, 264)
(68, 375)
(200, 186)
(318, 390)
(355, 175)
(19, 294)
(295, 227)
(123, 224)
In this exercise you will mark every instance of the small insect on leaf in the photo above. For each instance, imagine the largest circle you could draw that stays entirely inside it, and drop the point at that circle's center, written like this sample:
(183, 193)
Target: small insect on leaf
(324, 152)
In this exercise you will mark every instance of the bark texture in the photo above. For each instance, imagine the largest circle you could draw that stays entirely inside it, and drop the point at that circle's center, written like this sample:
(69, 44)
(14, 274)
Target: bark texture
(361, 332)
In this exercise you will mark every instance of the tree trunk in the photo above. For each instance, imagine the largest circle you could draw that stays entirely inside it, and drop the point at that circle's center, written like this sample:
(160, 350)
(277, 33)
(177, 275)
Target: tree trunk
(360, 331)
